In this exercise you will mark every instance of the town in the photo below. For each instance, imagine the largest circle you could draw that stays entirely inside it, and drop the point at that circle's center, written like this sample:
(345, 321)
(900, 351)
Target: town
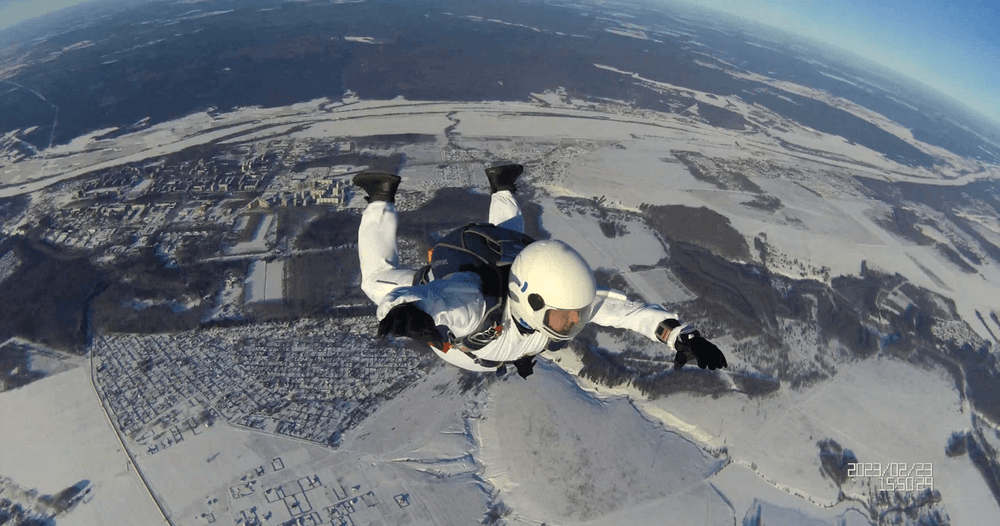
(309, 379)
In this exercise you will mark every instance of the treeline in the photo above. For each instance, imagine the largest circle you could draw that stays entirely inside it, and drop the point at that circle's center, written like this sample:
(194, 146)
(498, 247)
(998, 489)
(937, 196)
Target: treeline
(654, 377)
(15, 361)
(701, 226)
(47, 298)
(13, 514)
(146, 295)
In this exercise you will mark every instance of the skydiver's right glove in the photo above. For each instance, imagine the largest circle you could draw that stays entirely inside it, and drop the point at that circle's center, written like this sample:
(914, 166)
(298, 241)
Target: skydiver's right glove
(689, 344)
(409, 321)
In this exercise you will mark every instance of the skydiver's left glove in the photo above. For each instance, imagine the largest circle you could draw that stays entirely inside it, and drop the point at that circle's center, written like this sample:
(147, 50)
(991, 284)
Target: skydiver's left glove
(707, 354)
(409, 321)
(689, 344)
(525, 366)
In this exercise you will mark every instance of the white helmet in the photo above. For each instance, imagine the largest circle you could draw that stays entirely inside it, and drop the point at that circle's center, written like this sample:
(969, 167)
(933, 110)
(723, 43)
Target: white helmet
(552, 289)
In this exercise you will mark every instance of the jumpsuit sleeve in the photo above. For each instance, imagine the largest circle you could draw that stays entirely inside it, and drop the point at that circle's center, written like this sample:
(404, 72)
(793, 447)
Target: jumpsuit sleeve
(613, 309)
(455, 302)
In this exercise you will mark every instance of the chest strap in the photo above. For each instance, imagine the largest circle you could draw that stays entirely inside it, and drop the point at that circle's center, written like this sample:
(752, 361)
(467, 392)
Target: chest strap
(460, 347)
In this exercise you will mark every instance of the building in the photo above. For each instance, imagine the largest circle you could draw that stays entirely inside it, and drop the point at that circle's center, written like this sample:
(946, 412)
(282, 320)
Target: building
(258, 204)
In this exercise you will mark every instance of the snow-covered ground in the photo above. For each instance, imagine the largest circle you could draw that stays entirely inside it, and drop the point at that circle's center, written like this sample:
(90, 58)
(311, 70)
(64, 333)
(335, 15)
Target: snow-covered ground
(260, 236)
(885, 411)
(274, 284)
(55, 434)
(256, 279)
(408, 448)
(561, 455)
(552, 451)
(265, 281)
(45, 360)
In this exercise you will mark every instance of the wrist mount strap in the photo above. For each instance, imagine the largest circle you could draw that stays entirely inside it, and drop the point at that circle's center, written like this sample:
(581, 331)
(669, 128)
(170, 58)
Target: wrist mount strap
(664, 328)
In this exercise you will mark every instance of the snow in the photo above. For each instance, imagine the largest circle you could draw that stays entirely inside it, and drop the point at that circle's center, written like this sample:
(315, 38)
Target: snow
(842, 79)
(883, 410)
(644, 172)
(259, 242)
(81, 142)
(184, 476)
(53, 362)
(265, 281)
(55, 435)
(196, 475)
(274, 283)
(818, 217)
(433, 122)
(633, 33)
(9, 263)
(934, 234)
(256, 279)
(986, 226)
(425, 432)
(488, 124)
(560, 455)
(746, 490)
(79, 45)
(476, 119)
(808, 228)
(549, 98)
(663, 282)
(540, 443)
(638, 247)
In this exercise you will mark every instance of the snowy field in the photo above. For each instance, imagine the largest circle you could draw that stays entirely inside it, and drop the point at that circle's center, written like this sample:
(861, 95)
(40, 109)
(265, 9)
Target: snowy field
(410, 449)
(274, 282)
(869, 407)
(259, 242)
(255, 282)
(561, 455)
(265, 281)
(55, 434)
(227, 472)
(46, 360)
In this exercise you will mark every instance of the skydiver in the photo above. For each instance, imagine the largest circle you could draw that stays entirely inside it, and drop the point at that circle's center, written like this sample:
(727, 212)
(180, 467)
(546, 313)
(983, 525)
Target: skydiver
(482, 309)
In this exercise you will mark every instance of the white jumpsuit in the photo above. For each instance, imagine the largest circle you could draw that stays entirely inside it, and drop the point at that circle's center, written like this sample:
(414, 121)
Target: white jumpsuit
(456, 301)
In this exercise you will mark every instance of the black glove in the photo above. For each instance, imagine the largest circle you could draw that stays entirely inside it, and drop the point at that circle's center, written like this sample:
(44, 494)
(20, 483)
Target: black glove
(407, 320)
(525, 366)
(689, 344)
(694, 346)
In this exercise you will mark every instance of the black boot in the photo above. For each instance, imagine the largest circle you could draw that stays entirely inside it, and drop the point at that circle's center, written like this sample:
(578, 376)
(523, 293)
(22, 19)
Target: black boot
(502, 177)
(379, 186)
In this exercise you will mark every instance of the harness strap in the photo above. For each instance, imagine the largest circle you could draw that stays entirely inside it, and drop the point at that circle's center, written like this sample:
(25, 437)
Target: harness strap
(488, 251)
(447, 346)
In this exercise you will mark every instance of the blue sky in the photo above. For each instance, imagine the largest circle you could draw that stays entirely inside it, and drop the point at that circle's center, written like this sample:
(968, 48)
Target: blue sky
(950, 45)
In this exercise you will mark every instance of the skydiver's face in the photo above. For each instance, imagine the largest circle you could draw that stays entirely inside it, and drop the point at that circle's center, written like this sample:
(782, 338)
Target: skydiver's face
(562, 321)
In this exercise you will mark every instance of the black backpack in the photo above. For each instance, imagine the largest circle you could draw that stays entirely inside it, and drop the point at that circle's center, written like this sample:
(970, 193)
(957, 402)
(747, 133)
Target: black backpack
(488, 250)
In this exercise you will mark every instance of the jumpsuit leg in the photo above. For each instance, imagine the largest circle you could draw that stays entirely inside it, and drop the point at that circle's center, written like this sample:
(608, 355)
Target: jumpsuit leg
(505, 212)
(378, 253)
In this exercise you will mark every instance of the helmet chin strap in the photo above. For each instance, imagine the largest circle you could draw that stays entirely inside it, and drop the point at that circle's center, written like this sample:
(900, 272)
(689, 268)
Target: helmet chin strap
(522, 326)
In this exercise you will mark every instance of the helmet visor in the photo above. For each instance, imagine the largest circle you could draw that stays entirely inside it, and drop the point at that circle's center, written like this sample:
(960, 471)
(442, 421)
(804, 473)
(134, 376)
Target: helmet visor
(566, 322)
